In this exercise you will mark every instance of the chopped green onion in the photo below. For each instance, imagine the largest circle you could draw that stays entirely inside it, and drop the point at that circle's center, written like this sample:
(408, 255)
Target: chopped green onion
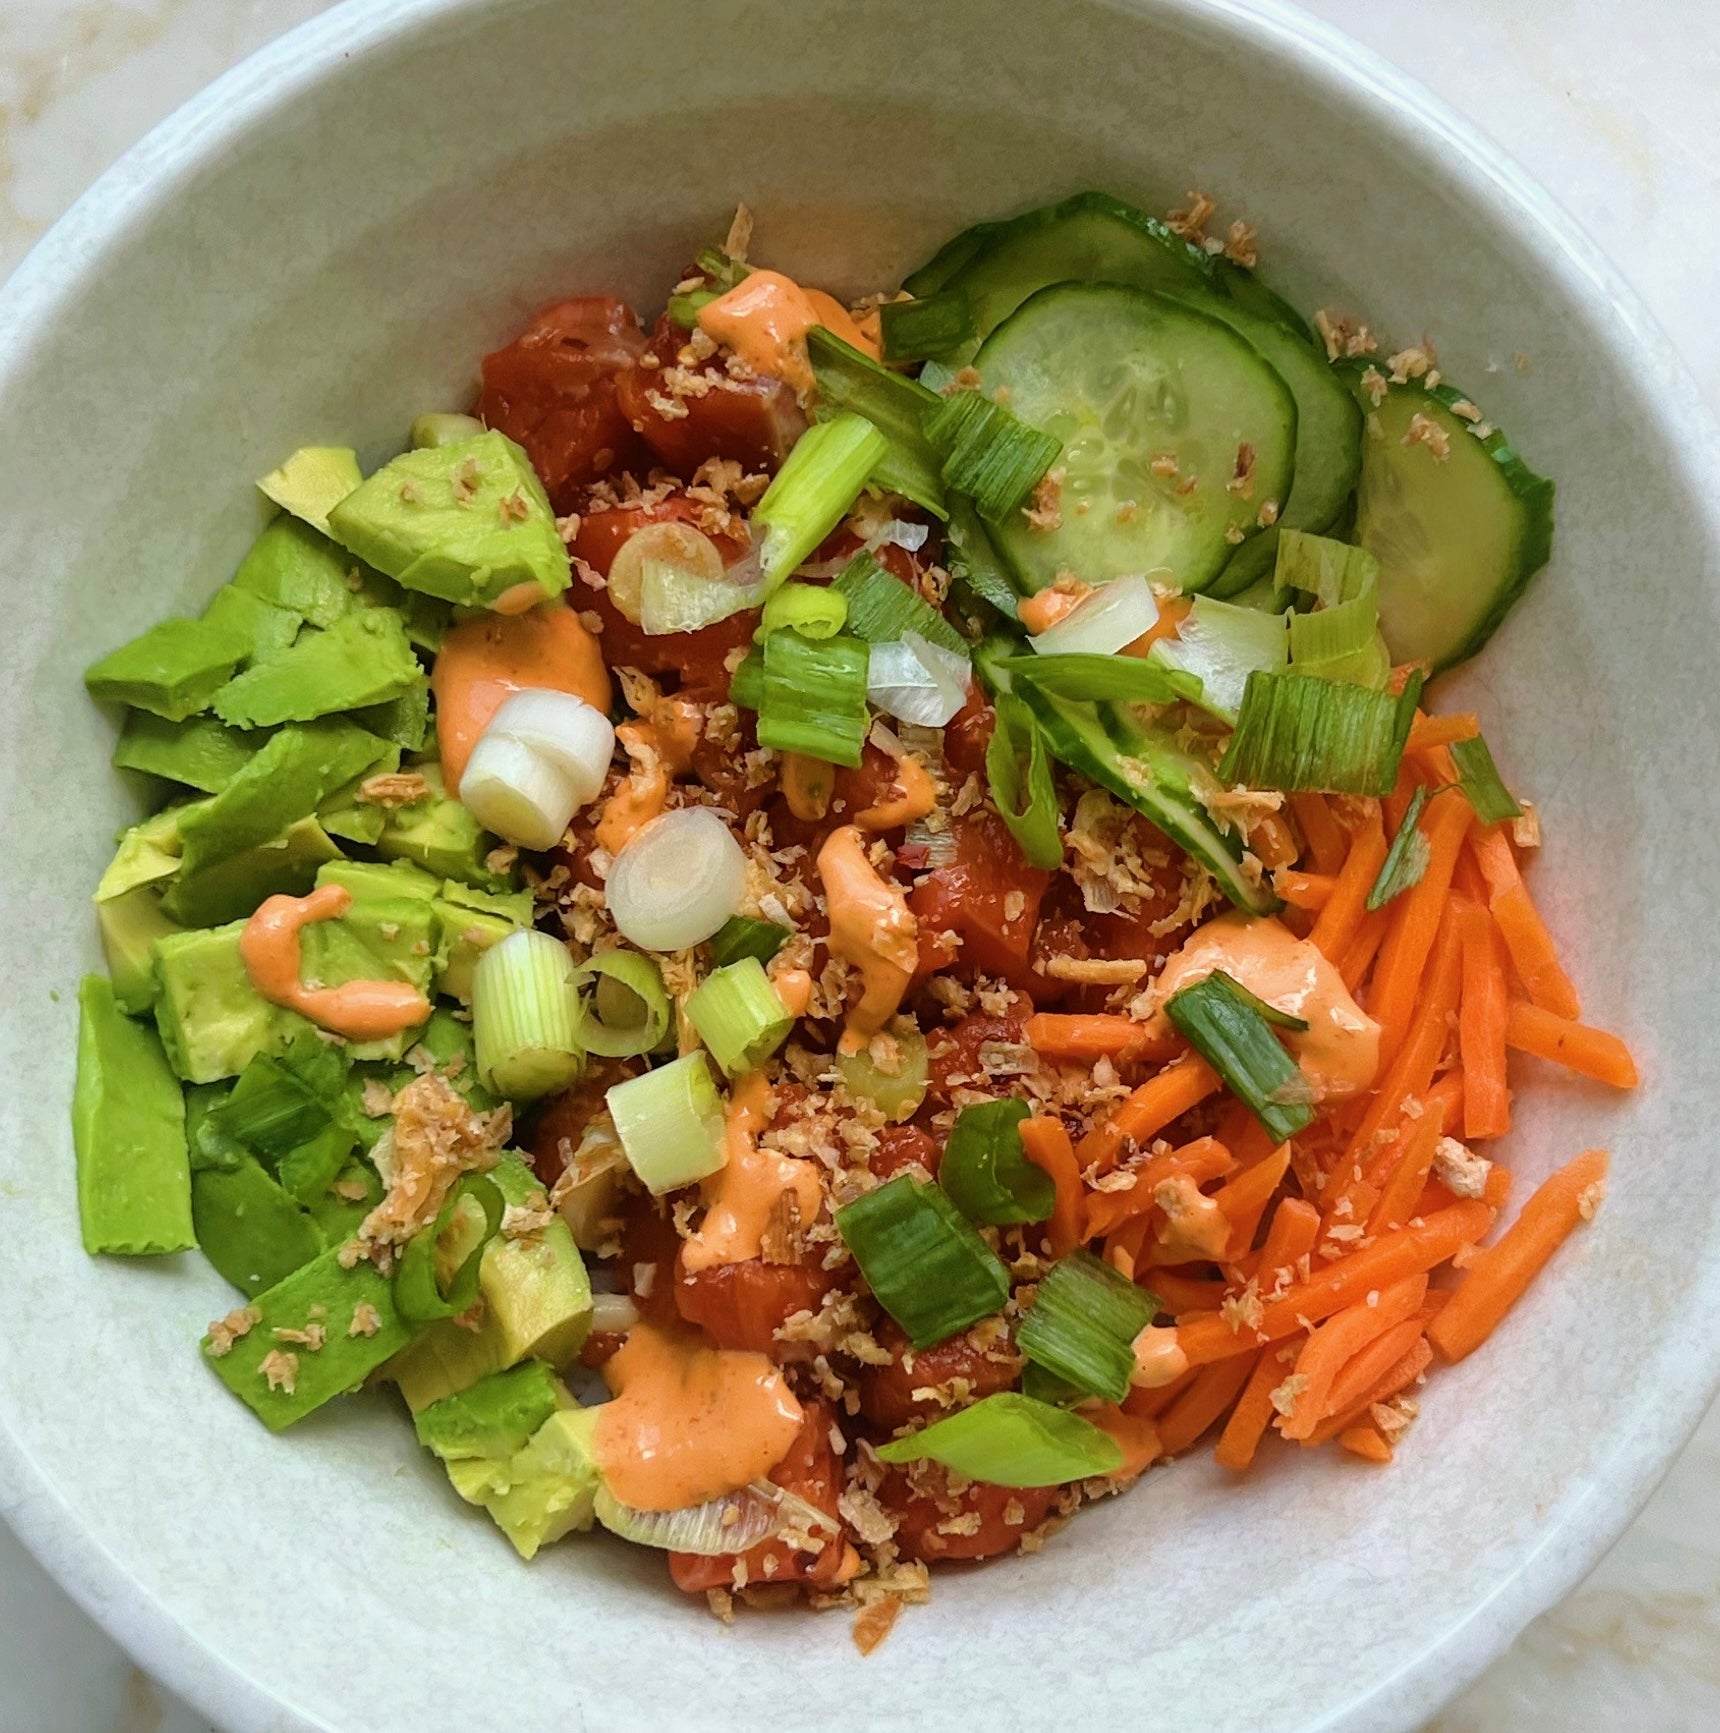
(976, 567)
(670, 1122)
(739, 1016)
(1221, 645)
(674, 600)
(1084, 676)
(621, 1009)
(1478, 776)
(1083, 1323)
(741, 936)
(985, 1171)
(881, 608)
(896, 1084)
(525, 1016)
(820, 479)
(1332, 572)
(1341, 640)
(812, 698)
(1268, 1013)
(924, 329)
(923, 1259)
(1237, 1042)
(1296, 732)
(810, 609)
(746, 684)
(421, 1296)
(895, 405)
(1012, 1440)
(1406, 860)
(1018, 769)
(1045, 1386)
(989, 454)
(270, 1110)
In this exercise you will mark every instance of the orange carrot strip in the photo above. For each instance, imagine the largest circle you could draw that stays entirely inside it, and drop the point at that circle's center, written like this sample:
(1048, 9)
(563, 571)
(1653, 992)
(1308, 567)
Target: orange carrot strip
(1404, 1373)
(1339, 1340)
(1498, 1187)
(1290, 1238)
(1270, 841)
(1593, 1052)
(1327, 840)
(1533, 953)
(1431, 731)
(1365, 1442)
(1046, 1144)
(1202, 1160)
(1056, 1036)
(1371, 1363)
(1244, 1198)
(1124, 1248)
(1363, 948)
(1144, 1404)
(1494, 1279)
(1165, 1096)
(1407, 1251)
(1214, 1388)
(1304, 890)
(1185, 1294)
(1253, 1411)
(1448, 1094)
(1481, 1027)
(1397, 1199)
(1341, 918)
(1397, 982)
(1139, 1437)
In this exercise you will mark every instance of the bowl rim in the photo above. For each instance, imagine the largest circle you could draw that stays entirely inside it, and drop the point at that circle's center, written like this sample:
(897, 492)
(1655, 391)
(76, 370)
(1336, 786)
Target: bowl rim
(126, 197)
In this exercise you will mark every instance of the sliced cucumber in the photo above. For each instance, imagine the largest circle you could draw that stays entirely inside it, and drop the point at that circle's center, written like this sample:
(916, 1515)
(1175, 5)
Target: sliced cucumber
(1246, 289)
(1122, 377)
(1457, 537)
(1091, 238)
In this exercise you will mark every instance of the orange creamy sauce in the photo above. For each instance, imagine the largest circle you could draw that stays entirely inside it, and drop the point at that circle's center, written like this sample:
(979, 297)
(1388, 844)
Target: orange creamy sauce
(807, 785)
(359, 1010)
(659, 747)
(764, 319)
(914, 796)
(1339, 1052)
(485, 661)
(870, 928)
(689, 1423)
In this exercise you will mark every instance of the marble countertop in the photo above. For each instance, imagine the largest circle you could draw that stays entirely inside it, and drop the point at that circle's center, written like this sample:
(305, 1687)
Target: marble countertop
(1612, 109)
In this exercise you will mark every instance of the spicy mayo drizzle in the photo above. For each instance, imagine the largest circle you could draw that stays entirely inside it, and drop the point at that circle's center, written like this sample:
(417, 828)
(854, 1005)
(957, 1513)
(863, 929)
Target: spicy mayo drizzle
(870, 927)
(658, 747)
(359, 1010)
(764, 318)
(485, 661)
(689, 1423)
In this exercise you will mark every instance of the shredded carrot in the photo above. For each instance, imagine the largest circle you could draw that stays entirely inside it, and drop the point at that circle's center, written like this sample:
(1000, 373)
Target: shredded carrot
(1055, 1036)
(1244, 1198)
(1495, 1279)
(1327, 841)
(1290, 1238)
(1124, 1249)
(1447, 1094)
(1184, 1294)
(1397, 1198)
(1138, 1436)
(1304, 890)
(1371, 1363)
(1365, 1442)
(1046, 1144)
(1165, 1096)
(1202, 1160)
(1397, 982)
(1593, 1052)
(1214, 1388)
(1533, 954)
(1339, 1340)
(1481, 1027)
(1341, 918)
(1144, 1404)
(1253, 1412)
(1270, 841)
(1404, 1373)
(1430, 731)
(1412, 1250)
(1364, 947)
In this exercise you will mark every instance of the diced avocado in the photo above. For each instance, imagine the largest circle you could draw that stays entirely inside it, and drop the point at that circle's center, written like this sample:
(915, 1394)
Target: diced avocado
(442, 428)
(463, 936)
(351, 820)
(271, 1109)
(148, 853)
(354, 1316)
(212, 1021)
(287, 780)
(128, 1130)
(448, 1041)
(353, 1193)
(404, 719)
(307, 1171)
(365, 878)
(428, 619)
(198, 752)
(172, 670)
(130, 925)
(266, 628)
(511, 906)
(248, 1226)
(543, 1492)
(362, 659)
(314, 478)
(441, 835)
(495, 1418)
(467, 522)
(293, 566)
(396, 934)
(286, 865)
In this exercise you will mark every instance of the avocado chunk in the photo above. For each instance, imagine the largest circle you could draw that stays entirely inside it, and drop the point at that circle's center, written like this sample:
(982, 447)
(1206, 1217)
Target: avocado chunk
(350, 1313)
(312, 480)
(352, 1194)
(287, 780)
(198, 752)
(148, 853)
(361, 659)
(546, 1490)
(286, 865)
(248, 1226)
(363, 878)
(294, 567)
(266, 629)
(130, 925)
(310, 1168)
(441, 835)
(212, 1021)
(463, 936)
(172, 670)
(438, 427)
(467, 522)
(495, 1418)
(404, 719)
(128, 1132)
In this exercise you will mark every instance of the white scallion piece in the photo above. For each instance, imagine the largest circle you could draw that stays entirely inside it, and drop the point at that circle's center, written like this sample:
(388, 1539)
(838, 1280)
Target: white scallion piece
(917, 681)
(1114, 615)
(677, 881)
(514, 790)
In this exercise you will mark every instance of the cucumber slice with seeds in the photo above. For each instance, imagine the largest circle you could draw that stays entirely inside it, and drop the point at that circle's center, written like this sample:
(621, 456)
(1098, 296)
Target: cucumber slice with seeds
(1122, 377)
(1457, 536)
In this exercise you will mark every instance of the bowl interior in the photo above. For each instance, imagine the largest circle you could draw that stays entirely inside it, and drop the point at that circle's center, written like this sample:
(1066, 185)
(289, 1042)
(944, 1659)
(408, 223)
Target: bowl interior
(324, 252)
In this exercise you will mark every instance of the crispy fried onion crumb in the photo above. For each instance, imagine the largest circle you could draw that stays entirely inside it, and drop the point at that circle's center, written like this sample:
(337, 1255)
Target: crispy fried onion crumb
(280, 1369)
(224, 1332)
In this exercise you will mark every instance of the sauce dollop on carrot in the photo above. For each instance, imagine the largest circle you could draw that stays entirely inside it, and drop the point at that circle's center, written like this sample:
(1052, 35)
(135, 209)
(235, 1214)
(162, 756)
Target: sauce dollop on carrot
(765, 317)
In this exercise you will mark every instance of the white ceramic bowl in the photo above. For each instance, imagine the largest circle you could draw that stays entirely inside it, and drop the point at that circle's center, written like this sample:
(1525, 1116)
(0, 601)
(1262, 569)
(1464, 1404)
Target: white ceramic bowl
(320, 247)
